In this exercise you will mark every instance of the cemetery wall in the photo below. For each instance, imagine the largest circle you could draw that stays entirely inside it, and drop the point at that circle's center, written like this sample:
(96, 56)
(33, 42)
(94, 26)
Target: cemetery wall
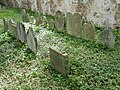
(97, 11)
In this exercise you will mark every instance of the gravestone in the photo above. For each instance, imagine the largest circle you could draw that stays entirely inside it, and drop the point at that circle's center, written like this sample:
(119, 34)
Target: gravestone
(11, 21)
(31, 40)
(51, 24)
(21, 32)
(69, 23)
(5, 22)
(38, 19)
(77, 25)
(44, 21)
(60, 21)
(74, 24)
(107, 38)
(88, 31)
(1, 10)
(59, 61)
(14, 30)
(25, 16)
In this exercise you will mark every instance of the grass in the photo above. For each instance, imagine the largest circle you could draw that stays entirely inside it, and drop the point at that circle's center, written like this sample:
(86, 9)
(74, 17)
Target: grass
(92, 66)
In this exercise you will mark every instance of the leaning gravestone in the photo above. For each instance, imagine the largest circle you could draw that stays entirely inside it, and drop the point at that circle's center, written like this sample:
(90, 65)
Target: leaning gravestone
(1, 10)
(69, 23)
(77, 25)
(38, 18)
(44, 21)
(107, 38)
(60, 21)
(51, 24)
(88, 31)
(11, 21)
(21, 32)
(14, 30)
(59, 61)
(31, 40)
(74, 24)
(25, 16)
(5, 22)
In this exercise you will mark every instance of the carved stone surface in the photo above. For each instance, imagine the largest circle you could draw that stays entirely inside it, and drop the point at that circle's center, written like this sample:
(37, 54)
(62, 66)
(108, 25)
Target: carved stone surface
(31, 40)
(60, 21)
(21, 32)
(88, 31)
(51, 24)
(107, 38)
(59, 61)
(74, 24)
(5, 22)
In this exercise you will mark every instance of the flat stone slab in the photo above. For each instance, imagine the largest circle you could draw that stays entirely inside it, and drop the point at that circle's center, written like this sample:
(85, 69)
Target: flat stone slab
(31, 40)
(51, 24)
(88, 31)
(25, 16)
(74, 25)
(60, 21)
(5, 22)
(107, 38)
(59, 61)
(21, 32)
(11, 21)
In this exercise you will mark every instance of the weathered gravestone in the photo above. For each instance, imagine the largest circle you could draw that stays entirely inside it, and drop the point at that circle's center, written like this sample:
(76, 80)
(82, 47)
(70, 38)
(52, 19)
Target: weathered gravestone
(21, 32)
(69, 23)
(1, 10)
(60, 21)
(59, 61)
(74, 24)
(25, 16)
(38, 18)
(88, 31)
(44, 21)
(11, 21)
(14, 30)
(107, 38)
(5, 22)
(51, 24)
(31, 40)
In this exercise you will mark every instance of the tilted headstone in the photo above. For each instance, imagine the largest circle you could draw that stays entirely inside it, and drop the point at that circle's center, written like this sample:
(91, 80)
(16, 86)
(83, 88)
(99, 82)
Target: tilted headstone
(44, 21)
(25, 16)
(11, 21)
(21, 32)
(74, 24)
(69, 23)
(38, 19)
(60, 21)
(1, 10)
(107, 38)
(31, 40)
(5, 22)
(77, 25)
(88, 31)
(59, 61)
(51, 24)
(14, 30)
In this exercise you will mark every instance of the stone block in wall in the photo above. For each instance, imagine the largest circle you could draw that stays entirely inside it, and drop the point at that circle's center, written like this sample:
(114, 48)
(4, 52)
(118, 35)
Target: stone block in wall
(59, 61)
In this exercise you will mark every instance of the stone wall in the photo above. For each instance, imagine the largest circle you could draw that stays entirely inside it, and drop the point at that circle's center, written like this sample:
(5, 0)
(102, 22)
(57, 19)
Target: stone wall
(97, 11)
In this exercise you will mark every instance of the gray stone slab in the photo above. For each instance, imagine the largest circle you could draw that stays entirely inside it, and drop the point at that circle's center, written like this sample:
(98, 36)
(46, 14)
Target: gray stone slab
(21, 32)
(14, 30)
(107, 38)
(74, 24)
(88, 31)
(69, 23)
(25, 16)
(60, 21)
(31, 40)
(51, 24)
(11, 21)
(59, 61)
(5, 22)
